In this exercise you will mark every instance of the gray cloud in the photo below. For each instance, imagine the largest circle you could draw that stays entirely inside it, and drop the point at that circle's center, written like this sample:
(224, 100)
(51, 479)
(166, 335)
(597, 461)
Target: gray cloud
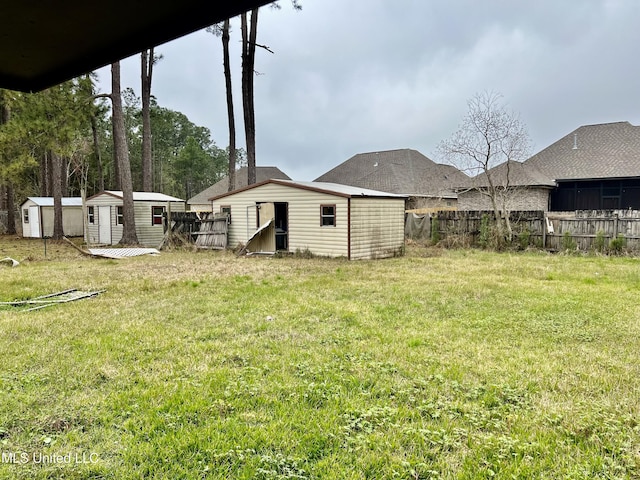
(365, 75)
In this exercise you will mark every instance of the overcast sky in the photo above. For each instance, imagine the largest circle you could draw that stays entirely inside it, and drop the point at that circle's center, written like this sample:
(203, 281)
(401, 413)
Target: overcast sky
(352, 76)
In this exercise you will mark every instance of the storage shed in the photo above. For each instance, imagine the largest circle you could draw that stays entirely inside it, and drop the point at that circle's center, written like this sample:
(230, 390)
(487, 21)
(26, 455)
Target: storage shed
(37, 217)
(105, 216)
(325, 219)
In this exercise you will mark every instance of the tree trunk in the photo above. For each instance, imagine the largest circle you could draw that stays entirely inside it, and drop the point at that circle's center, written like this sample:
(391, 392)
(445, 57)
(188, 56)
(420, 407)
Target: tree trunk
(248, 62)
(9, 204)
(56, 167)
(129, 236)
(230, 115)
(147, 165)
(96, 151)
(11, 209)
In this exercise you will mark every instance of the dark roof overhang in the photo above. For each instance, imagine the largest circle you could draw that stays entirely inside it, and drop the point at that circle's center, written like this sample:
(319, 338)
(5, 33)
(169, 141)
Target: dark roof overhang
(45, 43)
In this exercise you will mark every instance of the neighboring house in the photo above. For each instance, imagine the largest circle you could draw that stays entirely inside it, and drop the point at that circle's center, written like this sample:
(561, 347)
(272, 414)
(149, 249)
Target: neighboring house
(105, 216)
(518, 187)
(325, 219)
(37, 217)
(595, 167)
(201, 203)
(406, 172)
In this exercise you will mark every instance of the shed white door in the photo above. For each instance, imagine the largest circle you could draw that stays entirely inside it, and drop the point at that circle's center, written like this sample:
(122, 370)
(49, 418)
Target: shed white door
(104, 224)
(34, 221)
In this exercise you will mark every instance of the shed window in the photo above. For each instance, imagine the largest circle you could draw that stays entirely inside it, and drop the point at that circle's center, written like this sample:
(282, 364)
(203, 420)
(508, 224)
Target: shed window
(157, 213)
(327, 215)
(90, 215)
(25, 215)
(119, 216)
(226, 209)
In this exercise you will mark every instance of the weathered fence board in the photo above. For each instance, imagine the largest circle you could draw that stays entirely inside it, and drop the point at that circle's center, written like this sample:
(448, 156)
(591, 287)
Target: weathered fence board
(213, 231)
(549, 230)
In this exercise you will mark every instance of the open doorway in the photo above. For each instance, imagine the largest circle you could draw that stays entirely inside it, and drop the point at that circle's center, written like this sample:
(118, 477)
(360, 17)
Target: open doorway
(281, 218)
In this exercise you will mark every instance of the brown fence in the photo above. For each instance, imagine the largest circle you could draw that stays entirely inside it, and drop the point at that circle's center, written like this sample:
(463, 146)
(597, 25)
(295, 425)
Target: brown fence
(585, 229)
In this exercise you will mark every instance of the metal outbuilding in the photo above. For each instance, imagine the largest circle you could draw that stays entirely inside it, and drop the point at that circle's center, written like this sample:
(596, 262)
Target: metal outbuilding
(37, 217)
(325, 219)
(105, 216)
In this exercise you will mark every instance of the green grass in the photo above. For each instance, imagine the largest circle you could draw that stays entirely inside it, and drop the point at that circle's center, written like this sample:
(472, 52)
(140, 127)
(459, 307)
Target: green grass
(439, 364)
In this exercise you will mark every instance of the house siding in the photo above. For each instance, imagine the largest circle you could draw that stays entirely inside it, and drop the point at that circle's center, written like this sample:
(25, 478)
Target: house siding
(377, 227)
(525, 199)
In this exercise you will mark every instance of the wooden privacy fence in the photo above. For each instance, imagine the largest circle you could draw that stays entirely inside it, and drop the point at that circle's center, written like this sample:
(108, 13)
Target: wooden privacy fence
(586, 229)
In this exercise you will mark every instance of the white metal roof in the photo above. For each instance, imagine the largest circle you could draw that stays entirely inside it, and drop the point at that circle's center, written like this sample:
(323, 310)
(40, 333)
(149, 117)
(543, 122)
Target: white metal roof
(48, 201)
(331, 188)
(145, 196)
(343, 189)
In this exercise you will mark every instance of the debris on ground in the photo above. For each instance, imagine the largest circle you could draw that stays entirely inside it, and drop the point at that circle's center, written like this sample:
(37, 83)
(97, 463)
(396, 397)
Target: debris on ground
(43, 301)
(10, 261)
(118, 253)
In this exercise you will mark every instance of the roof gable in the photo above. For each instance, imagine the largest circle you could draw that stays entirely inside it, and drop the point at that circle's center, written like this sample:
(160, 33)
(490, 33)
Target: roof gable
(222, 186)
(139, 196)
(513, 174)
(403, 171)
(338, 190)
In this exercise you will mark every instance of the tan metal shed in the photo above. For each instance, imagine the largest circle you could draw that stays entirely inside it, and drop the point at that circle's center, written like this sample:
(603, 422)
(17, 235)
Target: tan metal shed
(326, 219)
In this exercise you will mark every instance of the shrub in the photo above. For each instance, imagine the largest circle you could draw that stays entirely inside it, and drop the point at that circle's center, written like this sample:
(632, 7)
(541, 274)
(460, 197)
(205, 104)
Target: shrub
(616, 245)
(524, 239)
(600, 241)
(484, 239)
(568, 243)
(435, 230)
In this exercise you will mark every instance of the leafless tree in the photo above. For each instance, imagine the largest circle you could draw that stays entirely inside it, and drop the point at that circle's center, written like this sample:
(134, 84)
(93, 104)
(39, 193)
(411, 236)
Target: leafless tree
(489, 144)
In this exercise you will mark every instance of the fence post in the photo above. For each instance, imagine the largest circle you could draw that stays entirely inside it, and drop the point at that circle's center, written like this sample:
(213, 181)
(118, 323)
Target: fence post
(615, 225)
(544, 230)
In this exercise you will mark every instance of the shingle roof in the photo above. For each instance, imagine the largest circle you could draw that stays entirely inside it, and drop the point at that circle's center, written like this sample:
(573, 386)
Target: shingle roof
(609, 150)
(404, 171)
(262, 174)
(518, 174)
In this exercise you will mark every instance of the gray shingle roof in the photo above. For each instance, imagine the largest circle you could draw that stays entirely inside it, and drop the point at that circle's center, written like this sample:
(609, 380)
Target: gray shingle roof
(518, 174)
(262, 174)
(404, 171)
(606, 150)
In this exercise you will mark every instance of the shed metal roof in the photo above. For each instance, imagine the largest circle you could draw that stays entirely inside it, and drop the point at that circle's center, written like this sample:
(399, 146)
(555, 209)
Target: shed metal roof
(321, 187)
(140, 196)
(48, 201)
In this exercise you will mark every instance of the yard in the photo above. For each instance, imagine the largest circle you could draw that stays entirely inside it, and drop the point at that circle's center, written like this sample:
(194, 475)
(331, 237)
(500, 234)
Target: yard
(439, 364)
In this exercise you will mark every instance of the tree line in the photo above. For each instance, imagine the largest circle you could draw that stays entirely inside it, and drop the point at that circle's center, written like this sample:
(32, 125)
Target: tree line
(70, 140)
(60, 142)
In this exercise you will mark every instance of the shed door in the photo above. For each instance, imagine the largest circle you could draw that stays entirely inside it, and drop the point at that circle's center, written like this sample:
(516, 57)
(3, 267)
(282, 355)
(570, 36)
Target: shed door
(34, 221)
(104, 224)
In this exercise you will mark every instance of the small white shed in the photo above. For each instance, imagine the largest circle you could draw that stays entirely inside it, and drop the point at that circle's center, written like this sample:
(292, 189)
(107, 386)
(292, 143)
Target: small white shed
(105, 217)
(37, 217)
(325, 219)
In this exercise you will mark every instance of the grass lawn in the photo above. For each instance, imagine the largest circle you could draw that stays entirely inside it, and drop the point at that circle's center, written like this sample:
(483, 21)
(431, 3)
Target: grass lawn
(439, 364)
